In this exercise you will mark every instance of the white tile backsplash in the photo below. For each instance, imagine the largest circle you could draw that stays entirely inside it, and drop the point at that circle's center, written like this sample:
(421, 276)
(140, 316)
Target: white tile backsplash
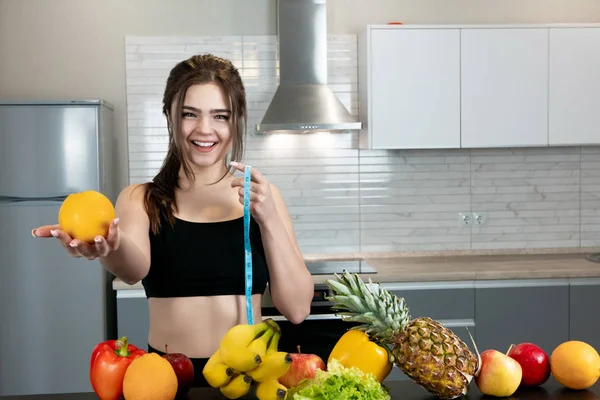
(590, 196)
(531, 197)
(410, 199)
(345, 200)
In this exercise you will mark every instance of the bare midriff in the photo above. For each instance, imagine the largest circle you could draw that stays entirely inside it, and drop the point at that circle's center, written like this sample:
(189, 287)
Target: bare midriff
(194, 326)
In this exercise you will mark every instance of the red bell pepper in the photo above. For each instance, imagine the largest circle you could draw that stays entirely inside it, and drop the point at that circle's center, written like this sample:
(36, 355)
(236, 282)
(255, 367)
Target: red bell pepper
(108, 364)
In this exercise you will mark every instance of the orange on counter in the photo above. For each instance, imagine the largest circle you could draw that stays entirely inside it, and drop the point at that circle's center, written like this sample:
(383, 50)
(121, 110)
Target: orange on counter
(150, 377)
(85, 215)
(575, 364)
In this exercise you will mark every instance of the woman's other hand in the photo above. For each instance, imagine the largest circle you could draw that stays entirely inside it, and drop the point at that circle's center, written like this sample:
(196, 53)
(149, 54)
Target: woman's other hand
(262, 205)
(77, 248)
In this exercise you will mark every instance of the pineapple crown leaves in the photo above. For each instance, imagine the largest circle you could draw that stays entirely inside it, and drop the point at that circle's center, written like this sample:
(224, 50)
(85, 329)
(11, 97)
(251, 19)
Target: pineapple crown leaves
(381, 313)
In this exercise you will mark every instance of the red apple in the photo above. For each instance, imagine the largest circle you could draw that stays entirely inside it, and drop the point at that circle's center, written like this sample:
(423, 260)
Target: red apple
(534, 362)
(184, 369)
(500, 375)
(303, 367)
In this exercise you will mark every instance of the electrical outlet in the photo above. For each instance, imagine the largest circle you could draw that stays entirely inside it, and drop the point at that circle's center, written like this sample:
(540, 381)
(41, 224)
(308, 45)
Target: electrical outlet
(465, 218)
(479, 218)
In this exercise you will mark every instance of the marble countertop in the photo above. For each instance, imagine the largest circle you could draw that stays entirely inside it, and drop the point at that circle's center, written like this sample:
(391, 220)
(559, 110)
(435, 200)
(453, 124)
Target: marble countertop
(460, 266)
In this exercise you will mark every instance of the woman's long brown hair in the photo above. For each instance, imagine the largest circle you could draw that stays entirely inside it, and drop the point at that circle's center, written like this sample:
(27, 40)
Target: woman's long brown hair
(160, 193)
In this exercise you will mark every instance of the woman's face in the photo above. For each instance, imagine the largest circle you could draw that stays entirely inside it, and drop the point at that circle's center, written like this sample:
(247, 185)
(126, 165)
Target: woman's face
(205, 125)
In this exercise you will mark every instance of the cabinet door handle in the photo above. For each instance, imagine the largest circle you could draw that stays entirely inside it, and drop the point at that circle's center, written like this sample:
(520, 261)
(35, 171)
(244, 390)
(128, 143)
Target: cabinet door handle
(457, 323)
(312, 317)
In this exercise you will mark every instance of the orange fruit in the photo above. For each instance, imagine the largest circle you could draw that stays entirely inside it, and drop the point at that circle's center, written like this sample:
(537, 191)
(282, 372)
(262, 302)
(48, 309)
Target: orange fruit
(575, 364)
(150, 377)
(85, 215)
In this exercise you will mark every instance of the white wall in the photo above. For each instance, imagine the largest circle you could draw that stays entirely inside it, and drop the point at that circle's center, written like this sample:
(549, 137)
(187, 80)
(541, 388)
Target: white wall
(349, 16)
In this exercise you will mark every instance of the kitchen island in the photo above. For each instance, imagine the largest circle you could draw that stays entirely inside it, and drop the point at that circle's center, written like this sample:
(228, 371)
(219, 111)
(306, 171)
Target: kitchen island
(406, 390)
(542, 295)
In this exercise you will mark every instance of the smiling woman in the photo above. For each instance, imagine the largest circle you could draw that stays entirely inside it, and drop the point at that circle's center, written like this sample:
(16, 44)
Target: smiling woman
(182, 234)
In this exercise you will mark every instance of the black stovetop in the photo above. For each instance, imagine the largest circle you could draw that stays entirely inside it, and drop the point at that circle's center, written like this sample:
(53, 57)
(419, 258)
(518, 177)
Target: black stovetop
(332, 267)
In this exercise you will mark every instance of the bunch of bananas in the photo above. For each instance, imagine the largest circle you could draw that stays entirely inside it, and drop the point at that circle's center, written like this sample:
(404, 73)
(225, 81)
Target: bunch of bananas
(248, 355)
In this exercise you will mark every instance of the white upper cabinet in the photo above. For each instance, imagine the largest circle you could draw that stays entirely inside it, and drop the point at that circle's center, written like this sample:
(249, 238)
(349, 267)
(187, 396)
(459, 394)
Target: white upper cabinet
(574, 86)
(410, 88)
(504, 87)
(477, 86)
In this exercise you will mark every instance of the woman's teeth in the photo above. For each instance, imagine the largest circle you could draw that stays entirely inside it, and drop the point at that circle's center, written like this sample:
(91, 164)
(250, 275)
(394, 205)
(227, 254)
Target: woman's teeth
(203, 144)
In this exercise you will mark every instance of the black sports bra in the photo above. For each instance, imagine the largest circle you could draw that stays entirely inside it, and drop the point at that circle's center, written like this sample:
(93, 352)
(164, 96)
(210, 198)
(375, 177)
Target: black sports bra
(204, 259)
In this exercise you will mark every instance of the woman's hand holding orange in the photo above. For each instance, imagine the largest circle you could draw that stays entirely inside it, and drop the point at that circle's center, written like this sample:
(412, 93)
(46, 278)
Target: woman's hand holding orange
(101, 247)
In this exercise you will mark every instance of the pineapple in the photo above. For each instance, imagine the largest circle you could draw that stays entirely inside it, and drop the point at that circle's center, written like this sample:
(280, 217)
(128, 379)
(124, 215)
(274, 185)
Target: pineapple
(427, 352)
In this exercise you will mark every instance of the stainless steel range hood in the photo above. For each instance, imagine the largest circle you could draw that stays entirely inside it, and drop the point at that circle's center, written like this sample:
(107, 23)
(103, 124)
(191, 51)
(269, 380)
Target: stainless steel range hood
(303, 103)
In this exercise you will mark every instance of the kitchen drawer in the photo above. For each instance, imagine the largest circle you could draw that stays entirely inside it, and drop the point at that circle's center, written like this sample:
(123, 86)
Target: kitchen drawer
(437, 300)
(584, 294)
(517, 311)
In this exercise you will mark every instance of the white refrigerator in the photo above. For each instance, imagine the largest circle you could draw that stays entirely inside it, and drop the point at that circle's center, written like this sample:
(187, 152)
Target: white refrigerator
(53, 308)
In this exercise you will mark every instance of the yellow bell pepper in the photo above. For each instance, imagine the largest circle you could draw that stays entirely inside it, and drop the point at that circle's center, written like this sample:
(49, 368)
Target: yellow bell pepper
(354, 349)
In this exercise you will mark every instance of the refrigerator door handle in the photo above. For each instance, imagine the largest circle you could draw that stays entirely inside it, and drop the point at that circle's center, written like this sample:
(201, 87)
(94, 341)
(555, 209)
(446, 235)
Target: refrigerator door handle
(15, 199)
